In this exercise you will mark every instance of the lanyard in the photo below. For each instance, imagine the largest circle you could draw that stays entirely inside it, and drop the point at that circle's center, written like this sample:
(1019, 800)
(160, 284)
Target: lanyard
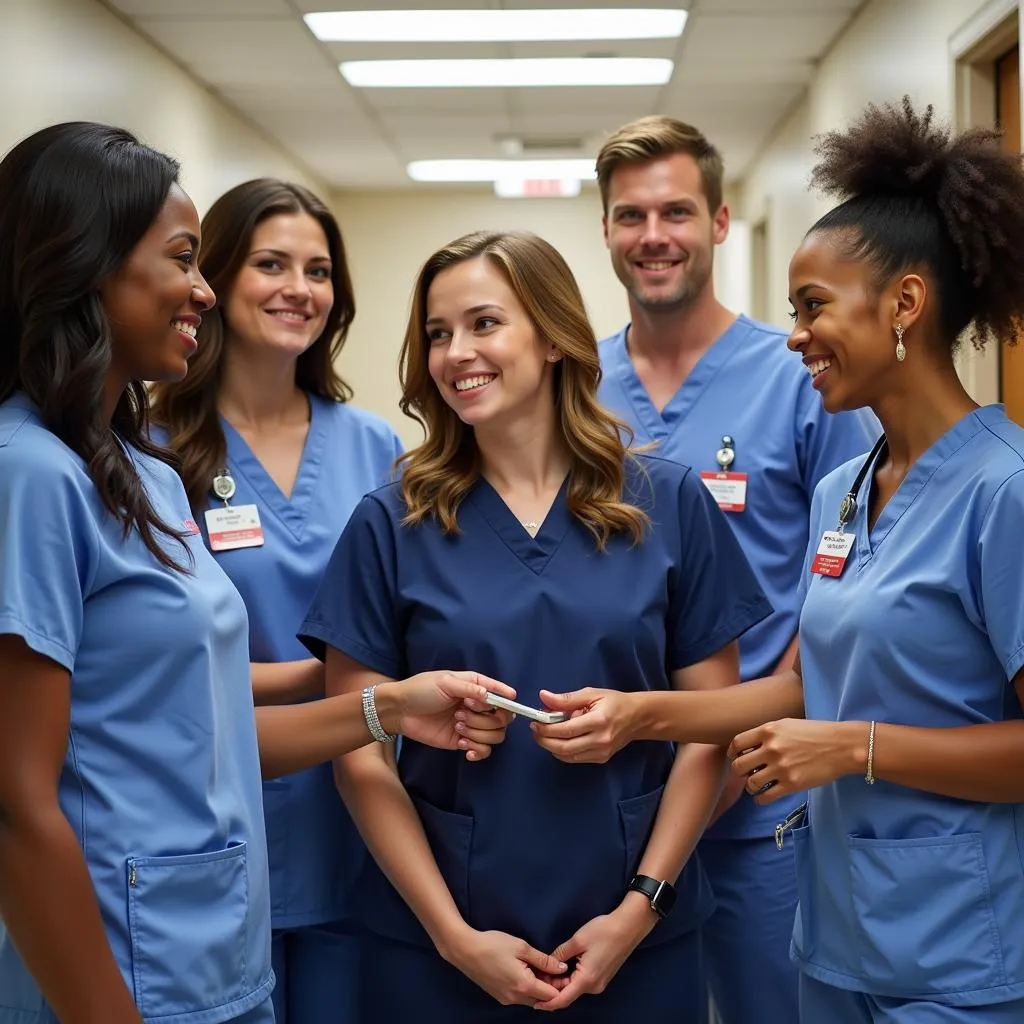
(848, 506)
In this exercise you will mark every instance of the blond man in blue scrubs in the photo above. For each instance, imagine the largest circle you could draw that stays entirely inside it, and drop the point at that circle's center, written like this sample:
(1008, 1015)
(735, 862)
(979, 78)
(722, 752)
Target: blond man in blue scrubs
(720, 393)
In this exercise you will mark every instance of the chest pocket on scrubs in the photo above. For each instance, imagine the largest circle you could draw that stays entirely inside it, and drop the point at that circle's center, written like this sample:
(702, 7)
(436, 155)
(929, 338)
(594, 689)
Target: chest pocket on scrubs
(924, 911)
(189, 917)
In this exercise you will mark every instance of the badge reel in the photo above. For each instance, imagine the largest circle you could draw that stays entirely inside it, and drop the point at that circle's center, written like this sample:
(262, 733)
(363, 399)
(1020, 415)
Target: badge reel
(836, 545)
(233, 526)
(727, 488)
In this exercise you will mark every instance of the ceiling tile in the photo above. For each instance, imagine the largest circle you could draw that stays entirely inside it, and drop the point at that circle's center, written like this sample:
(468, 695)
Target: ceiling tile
(774, 7)
(202, 8)
(232, 53)
(469, 131)
(642, 98)
(759, 38)
(427, 103)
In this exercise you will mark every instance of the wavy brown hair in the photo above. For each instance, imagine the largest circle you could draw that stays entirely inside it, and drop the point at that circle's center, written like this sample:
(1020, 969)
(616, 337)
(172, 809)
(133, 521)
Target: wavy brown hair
(441, 471)
(187, 409)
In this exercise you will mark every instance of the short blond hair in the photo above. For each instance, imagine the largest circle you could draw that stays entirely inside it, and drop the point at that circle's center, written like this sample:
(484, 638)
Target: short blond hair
(650, 138)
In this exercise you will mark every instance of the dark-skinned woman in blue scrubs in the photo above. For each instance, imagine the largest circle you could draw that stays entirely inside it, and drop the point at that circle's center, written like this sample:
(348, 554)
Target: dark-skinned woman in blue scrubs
(525, 541)
(133, 865)
(265, 429)
(904, 716)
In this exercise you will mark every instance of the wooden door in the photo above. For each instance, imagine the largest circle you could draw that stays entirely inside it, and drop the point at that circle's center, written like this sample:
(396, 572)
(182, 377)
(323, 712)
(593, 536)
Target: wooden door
(1011, 360)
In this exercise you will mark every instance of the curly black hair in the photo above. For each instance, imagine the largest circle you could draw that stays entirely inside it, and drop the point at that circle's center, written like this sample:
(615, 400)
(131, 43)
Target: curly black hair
(917, 196)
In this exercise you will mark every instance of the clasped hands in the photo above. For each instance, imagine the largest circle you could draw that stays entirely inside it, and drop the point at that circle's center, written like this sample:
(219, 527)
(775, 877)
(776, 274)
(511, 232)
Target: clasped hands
(451, 715)
(517, 974)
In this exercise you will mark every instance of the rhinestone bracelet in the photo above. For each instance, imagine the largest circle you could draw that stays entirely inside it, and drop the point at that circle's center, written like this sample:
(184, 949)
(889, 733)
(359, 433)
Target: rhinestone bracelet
(377, 731)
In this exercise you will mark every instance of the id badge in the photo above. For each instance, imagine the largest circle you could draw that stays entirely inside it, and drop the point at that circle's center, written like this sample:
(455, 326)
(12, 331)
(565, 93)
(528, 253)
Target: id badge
(236, 526)
(728, 489)
(833, 551)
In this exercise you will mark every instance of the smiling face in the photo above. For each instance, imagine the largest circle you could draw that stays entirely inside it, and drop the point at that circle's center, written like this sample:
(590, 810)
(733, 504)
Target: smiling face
(282, 295)
(843, 323)
(660, 232)
(155, 300)
(485, 357)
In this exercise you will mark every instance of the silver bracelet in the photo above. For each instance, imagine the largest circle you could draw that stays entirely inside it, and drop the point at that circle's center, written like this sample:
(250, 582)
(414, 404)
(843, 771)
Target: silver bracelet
(377, 731)
(869, 775)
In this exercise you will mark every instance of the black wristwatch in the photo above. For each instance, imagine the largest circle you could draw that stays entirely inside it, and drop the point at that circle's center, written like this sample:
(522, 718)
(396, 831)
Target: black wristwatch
(661, 894)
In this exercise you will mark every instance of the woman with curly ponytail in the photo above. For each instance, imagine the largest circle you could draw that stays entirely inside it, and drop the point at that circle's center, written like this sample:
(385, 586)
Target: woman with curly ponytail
(904, 715)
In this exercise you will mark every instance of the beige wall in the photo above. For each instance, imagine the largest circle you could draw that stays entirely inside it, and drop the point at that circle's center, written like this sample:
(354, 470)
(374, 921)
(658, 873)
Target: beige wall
(63, 60)
(892, 48)
(390, 234)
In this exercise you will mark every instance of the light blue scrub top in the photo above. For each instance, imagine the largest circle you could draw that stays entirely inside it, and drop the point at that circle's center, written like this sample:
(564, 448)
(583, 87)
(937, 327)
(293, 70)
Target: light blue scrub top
(526, 844)
(748, 386)
(315, 850)
(161, 780)
(904, 893)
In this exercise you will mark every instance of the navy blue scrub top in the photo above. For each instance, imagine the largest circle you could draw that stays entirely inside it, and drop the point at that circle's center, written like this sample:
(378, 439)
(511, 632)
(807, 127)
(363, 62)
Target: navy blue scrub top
(904, 893)
(161, 780)
(749, 386)
(527, 844)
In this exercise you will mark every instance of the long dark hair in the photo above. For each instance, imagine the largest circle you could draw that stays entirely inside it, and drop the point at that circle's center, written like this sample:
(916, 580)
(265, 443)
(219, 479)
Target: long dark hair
(188, 408)
(75, 200)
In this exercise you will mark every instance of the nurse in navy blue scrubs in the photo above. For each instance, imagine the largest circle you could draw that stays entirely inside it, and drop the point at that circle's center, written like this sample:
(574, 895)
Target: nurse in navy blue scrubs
(274, 459)
(911, 666)
(133, 864)
(524, 541)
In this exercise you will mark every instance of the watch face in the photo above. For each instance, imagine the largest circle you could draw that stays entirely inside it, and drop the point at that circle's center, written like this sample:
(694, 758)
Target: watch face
(665, 900)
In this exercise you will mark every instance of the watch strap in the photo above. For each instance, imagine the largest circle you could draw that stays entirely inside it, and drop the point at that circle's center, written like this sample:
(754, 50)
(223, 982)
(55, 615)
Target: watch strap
(661, 894)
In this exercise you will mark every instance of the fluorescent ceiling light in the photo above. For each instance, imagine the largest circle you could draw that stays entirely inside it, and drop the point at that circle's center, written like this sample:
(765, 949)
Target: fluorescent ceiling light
(500, 170)
(508, 74)
(494, 26)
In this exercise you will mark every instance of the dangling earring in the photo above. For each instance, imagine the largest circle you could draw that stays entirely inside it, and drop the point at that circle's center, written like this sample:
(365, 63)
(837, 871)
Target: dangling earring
(901, 349)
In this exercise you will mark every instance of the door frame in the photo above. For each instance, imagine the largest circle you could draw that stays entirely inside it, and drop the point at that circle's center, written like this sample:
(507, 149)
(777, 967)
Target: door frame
(973, 49)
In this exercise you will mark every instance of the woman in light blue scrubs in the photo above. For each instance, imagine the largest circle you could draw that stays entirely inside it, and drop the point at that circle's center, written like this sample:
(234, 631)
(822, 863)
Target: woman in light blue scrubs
(911, 668)
(133, 868)
(525, 541)
(264, 413)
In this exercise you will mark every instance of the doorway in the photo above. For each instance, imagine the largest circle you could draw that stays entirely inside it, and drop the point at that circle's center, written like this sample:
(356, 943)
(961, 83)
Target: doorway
(1007, 81)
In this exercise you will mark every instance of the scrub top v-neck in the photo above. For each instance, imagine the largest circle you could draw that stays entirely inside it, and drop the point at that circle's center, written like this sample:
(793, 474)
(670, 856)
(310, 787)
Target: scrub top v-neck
(748, 387)
(905, 893)
(527, 844)
(315, 851)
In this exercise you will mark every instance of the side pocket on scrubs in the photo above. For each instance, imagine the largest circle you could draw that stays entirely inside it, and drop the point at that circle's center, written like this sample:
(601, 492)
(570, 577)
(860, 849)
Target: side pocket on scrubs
(276, 800)
(637, 815)
(925, 916)
(188, 917)
(804, 934)
(450, 836)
